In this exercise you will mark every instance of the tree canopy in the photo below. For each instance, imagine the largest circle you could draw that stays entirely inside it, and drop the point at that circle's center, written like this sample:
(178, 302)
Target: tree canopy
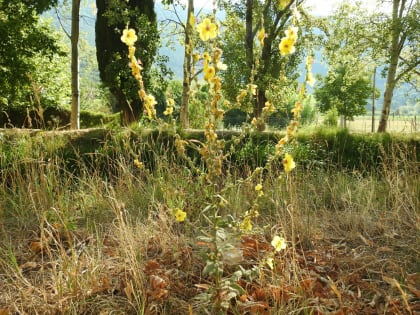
(24, 39)
(348, 94)
(113, 16)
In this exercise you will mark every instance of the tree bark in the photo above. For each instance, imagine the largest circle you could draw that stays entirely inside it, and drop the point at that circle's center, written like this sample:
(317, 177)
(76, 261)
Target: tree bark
(395, 51)
(75, 94)
(186, 84)
(249, 39)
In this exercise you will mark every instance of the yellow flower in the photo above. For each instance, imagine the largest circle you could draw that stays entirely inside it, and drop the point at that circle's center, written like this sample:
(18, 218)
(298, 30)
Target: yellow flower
(196, 56)
(168, 111)
(149, 105)
(138, 164)
(270, 263)
(206, 56)
(129, 37)
(297, 109)
(261, 36)
(287, 46)
(170, 102)
(253, 89)
(258, 187)
(288, 163)
(292, 32)
(283, 3)
(278, 243)
(207, 30)
(246, 224)
(268, 108)
(209, 73)
(180, 215)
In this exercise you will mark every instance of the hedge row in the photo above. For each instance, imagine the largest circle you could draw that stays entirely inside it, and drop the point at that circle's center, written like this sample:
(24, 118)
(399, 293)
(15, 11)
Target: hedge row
(101, 148)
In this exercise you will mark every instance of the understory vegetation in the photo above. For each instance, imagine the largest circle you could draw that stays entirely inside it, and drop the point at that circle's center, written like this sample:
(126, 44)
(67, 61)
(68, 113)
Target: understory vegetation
(87, 226)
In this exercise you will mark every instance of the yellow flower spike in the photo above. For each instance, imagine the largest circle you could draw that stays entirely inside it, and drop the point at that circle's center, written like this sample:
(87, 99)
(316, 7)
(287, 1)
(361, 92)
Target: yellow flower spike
(129, 37)
(310, 79)
(288, 163)
(149, 105)
(246, 224)
(268, 108)
(180, 215)
(207, 30)
(131, 51)
(279, 243)
(296, 110)
(309, 61)
(261, 36)
(286, 46)
(191, 19)
(217, 52)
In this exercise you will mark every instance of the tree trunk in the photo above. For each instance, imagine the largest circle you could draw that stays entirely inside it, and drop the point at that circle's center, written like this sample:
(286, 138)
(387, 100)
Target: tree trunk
(75, 95)
(393, 65)
(373, 99)
(186, 84)
(249, 40)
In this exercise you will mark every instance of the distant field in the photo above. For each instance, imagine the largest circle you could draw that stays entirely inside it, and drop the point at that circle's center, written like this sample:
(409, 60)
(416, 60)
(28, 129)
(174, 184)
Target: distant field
(405, 124)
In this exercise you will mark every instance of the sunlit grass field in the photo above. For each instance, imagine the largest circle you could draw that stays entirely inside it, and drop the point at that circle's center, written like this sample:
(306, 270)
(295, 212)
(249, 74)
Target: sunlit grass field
(401, 124)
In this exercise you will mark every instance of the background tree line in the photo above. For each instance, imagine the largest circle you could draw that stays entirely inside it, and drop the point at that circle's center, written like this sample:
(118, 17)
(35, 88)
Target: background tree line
(35, 60)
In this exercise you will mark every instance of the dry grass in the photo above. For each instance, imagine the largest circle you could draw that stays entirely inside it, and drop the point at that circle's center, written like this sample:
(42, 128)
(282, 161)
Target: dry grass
(89, 245)
(395, 124)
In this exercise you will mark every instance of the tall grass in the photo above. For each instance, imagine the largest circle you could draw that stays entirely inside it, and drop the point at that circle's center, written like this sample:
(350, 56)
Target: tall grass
(103, 239)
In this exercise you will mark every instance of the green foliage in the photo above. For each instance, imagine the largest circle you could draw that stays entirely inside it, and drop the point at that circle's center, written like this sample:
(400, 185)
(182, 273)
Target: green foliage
(267, 63)
(112, 17)
(197, 108)
(331, 117)
(234, 118)
(27, 50)
(344, 91)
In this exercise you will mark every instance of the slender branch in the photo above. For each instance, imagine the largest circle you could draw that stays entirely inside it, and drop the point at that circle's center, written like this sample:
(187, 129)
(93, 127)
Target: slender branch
(61, 24)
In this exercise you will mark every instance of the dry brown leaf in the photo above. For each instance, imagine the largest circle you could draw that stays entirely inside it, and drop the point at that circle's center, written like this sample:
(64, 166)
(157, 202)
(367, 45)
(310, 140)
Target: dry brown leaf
(251, 247)
(256, 308)
(35, 247)
(413, 290)
(151, 266)
(156, 295)
(157, 282)
(414, 279)
(28, 265)
(4, 311)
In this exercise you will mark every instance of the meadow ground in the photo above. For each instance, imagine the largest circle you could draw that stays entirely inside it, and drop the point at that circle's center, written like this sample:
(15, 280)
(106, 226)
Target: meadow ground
(403, 124)
(101, 237)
